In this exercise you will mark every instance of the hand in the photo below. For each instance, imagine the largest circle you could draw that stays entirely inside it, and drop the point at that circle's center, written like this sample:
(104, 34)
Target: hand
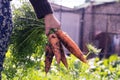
(51, 22)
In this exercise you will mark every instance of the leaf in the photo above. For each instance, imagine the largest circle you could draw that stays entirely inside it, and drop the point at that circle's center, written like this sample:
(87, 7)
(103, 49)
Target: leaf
(93, 49)
(113, 57)
(106, 62)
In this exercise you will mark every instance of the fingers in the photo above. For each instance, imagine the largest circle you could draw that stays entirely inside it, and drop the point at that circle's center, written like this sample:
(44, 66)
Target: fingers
(51, 22)
(47, 30)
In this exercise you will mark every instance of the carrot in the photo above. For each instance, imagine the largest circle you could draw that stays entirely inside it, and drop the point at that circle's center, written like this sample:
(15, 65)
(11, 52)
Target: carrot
(48, 58)
(63, 57)
(55, 46)
(70, 45)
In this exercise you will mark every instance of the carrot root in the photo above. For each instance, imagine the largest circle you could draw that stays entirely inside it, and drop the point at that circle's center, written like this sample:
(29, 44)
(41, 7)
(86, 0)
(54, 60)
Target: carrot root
(70, 45)
(48, 58)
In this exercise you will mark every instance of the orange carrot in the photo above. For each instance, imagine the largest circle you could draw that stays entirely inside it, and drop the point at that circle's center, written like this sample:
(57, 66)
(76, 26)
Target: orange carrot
(48, 58)
(55, 46)
(63, 57)
(70, 45)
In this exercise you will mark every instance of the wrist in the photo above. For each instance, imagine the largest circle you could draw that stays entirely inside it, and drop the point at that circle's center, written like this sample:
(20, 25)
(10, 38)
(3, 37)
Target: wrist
(48, 16)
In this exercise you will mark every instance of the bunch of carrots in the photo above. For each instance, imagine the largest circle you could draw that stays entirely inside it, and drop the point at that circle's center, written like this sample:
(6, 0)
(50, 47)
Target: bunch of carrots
(57, 40)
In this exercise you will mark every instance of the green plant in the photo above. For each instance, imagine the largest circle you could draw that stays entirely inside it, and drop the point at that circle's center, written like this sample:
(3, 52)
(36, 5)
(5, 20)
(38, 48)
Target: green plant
(27, 42)
(95, 69)
(92, 49)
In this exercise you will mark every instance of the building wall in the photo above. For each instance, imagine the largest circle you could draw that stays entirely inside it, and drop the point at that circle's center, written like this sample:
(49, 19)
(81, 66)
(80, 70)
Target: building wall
(111, 16)
(105, 18)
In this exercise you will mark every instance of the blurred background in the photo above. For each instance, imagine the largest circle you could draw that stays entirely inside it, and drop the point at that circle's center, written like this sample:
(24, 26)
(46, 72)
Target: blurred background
(93, 24)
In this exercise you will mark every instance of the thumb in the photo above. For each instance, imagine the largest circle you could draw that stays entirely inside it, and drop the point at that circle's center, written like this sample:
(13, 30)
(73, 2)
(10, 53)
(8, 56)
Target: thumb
(47, 30)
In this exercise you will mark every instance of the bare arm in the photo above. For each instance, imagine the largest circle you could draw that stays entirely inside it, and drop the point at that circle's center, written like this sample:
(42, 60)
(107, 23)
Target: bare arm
(43, 10)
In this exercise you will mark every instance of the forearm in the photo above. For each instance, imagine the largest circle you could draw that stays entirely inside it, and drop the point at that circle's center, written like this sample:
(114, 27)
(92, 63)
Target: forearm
(41, 7)
(43, 10)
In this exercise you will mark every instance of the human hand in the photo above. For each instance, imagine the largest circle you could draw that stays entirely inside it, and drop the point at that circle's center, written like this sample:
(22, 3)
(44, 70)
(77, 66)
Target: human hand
(51, 22)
